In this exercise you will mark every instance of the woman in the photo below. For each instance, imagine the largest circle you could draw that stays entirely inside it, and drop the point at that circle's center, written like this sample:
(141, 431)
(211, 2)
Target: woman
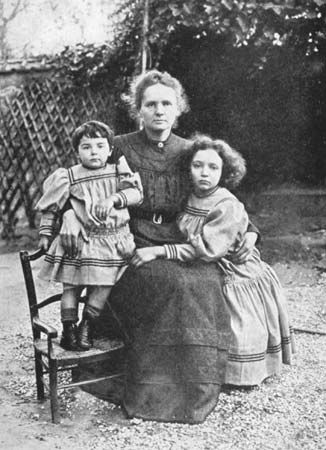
(173, 312)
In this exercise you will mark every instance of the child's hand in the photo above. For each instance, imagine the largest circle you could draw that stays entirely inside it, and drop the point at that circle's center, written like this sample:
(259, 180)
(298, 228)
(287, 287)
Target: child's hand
(44, 242)
(102, 210)
(244, 249)
(194, 240)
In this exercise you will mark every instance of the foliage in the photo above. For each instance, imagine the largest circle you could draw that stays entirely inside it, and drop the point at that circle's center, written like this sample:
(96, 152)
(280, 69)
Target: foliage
(278, 111)
(244, 22)
(9, 10)
(100, 68)
(262, 24)
(83, 64)
(254, 72)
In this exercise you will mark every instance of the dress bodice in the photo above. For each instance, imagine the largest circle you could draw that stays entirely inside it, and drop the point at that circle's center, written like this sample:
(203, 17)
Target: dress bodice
(165, 181)
(215, 223)
(85, 188)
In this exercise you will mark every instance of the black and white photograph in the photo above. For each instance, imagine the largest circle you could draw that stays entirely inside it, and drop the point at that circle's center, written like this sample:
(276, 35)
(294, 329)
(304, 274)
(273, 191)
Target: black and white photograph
(163, 224)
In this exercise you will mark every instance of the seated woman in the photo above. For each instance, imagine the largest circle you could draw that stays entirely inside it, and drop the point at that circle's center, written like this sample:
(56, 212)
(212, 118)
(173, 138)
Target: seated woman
(174, 312)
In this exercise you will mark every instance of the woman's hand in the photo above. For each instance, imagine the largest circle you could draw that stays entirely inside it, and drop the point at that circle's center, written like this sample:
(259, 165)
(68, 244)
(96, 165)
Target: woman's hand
(72, 234)
(244, 249)
(147, 254)
(102, 210)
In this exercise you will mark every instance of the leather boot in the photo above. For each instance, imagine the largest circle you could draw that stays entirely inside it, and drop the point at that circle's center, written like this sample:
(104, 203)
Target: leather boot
(85, 334)
(69, 336)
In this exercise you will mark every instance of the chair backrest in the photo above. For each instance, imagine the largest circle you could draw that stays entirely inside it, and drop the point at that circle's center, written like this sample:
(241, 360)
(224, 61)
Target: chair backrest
(34, 306)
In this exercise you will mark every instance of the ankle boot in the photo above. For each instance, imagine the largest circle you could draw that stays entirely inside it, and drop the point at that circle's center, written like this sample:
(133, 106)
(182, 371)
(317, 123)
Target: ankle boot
(69, 336)
(85, 334)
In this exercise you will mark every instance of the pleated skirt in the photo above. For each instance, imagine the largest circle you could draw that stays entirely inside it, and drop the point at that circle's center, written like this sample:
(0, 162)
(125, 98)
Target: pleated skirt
(261, 335)
(102, 261)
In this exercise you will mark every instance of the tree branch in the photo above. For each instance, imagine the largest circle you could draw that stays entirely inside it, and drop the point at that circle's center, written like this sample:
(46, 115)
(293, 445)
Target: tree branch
(17, 9)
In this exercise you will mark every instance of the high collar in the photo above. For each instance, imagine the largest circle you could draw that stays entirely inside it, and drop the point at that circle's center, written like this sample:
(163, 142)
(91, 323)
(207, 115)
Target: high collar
(156, 144)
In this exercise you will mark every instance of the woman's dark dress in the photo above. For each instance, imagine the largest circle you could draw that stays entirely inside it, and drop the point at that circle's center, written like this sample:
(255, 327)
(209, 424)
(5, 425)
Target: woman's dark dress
(174, 312)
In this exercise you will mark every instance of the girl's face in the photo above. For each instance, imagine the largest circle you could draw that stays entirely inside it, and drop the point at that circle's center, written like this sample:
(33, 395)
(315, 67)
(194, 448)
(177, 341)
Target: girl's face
(206, 170)
(159, 108)
(93, 152)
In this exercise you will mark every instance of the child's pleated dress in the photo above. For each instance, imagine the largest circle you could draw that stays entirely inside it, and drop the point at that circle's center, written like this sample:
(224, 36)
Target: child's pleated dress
(260, 335)
(104, 258)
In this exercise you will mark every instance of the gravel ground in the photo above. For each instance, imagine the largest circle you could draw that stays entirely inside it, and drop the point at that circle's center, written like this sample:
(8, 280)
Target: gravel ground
(285, 412)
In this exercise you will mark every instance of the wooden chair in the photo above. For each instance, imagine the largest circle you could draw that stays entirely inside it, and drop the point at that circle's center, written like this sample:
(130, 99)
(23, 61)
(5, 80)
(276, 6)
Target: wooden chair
(50, 358)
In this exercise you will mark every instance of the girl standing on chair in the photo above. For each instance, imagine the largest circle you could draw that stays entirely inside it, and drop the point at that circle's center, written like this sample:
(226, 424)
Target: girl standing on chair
(99, 189)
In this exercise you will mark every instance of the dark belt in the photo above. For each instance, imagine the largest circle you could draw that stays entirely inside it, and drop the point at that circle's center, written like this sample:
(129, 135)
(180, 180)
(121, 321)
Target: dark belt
(157, 217)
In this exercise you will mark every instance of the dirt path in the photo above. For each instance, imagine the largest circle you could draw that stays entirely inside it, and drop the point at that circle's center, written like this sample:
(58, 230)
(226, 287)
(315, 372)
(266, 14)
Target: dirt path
(286, 412)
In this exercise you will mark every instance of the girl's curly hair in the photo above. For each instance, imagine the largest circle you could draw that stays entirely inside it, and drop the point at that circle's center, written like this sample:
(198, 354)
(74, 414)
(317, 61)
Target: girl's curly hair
(234, 165)
(140, 83)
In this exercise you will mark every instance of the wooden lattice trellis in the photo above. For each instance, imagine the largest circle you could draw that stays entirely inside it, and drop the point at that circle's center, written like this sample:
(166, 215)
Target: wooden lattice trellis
(35, 138)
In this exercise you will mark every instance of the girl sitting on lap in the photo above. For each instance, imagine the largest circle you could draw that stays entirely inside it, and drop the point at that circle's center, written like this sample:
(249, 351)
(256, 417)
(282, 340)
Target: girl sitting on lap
(213, 223)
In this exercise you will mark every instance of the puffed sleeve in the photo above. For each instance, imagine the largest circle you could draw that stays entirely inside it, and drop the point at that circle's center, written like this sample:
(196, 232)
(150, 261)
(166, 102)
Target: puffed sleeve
(224, 226)
(56, 191)
(130, 190)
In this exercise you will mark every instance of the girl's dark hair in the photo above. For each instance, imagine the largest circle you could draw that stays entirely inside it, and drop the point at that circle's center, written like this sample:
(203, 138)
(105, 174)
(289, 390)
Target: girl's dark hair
(234, 165)
(150, 78)
(92, 129)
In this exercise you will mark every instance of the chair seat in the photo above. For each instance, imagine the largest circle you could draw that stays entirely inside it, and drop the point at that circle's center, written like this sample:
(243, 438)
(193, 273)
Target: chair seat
(100, 350)
(47, 366)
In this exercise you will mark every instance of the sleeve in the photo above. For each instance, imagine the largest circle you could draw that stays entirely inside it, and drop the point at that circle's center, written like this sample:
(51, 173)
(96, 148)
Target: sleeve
(225, 224)
(130, 190)
(181, 252)
(56, 191)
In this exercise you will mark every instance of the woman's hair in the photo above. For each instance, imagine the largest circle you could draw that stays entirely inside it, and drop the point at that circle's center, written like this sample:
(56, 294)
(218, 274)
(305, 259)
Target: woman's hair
(234, 165)
(150, 78)
(92, 129)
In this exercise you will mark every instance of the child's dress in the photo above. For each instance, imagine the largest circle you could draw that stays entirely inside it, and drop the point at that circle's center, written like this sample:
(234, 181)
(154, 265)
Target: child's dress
(260, 338)
(105, 257)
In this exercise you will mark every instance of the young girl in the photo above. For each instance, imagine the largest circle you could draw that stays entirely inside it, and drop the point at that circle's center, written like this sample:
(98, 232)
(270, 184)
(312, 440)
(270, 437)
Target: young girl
(99, 191)
(213, 223)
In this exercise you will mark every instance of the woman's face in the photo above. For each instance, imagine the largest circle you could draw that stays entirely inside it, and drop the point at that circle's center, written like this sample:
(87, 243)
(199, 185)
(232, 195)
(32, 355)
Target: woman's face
(206, 170)
(159, 108)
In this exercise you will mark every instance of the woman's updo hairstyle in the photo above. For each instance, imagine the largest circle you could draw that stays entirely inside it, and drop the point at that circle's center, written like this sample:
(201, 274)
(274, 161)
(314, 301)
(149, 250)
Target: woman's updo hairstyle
(234, 165)
(150, 78)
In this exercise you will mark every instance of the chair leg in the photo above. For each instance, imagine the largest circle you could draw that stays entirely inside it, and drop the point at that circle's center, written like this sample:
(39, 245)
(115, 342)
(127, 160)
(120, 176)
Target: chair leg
(53, 376)
(39, 376)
